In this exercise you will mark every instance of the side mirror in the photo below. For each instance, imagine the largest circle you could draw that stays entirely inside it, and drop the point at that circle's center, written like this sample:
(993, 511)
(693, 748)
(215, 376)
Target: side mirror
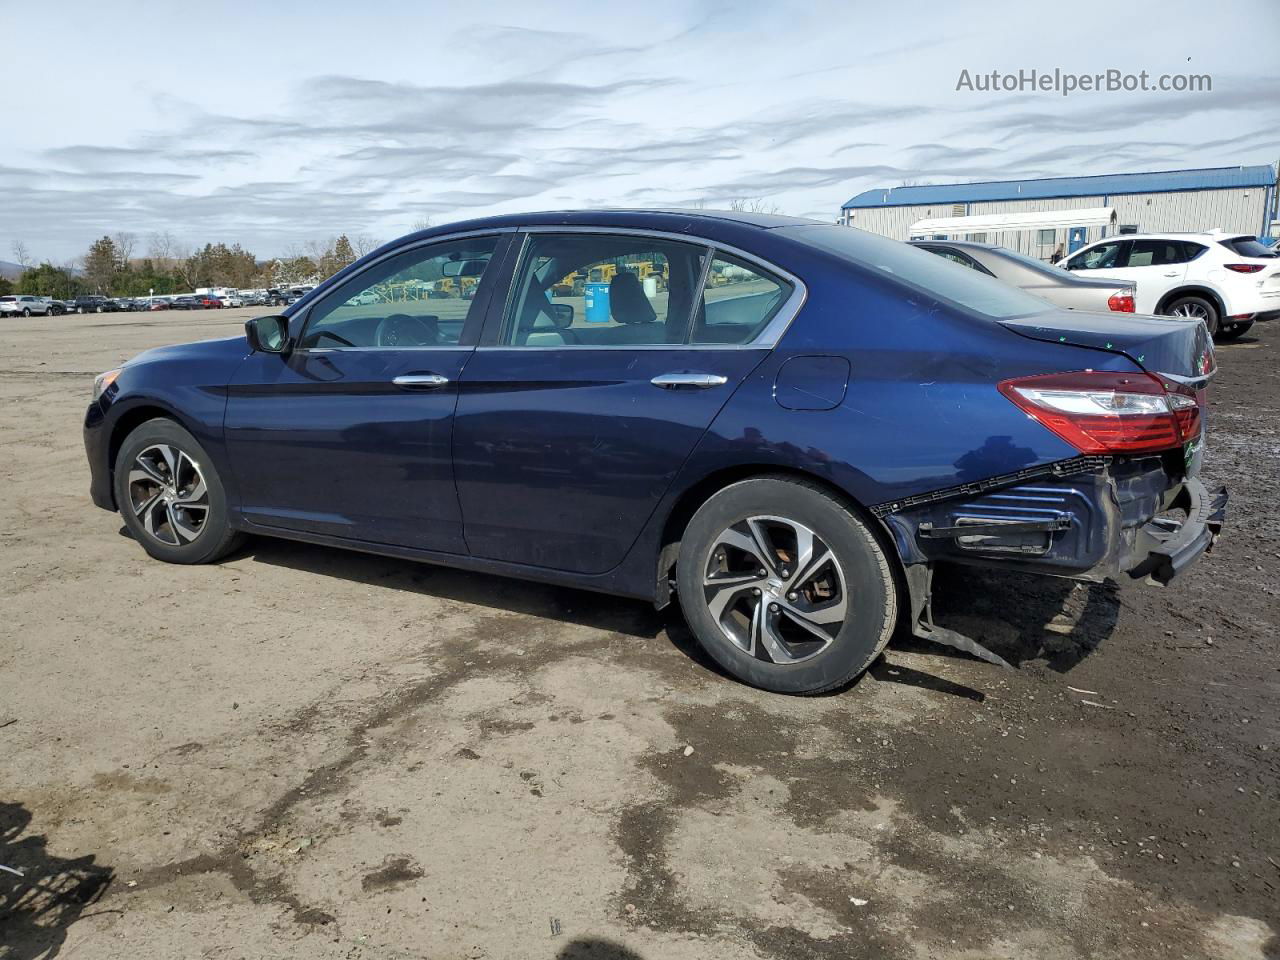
(562, 315)
(268, 334)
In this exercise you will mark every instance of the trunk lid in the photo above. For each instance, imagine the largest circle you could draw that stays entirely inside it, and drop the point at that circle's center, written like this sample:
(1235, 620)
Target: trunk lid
(1179, 347)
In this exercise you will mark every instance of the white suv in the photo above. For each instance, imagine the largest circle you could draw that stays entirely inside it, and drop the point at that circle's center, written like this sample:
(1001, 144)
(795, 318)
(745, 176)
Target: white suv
(23, 305)
(1227, 281)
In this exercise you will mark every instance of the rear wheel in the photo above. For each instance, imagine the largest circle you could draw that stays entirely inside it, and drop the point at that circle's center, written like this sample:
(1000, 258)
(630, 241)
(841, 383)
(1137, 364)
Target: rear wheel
(785, 587)
(170, 496)
(26, 311)
(1197, 307)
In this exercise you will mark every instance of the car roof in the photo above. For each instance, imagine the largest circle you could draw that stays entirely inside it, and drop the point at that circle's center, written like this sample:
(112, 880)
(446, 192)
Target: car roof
(673, 221)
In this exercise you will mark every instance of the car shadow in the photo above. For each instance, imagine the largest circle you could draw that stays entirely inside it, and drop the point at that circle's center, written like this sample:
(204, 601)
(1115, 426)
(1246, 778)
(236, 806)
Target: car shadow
(1023, 618)
(41, 895)
(596, 948)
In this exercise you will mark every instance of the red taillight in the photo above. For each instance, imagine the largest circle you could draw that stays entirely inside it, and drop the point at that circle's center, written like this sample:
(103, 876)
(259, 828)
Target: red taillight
(1244, 267)
(1121, 301)
(1100, 412)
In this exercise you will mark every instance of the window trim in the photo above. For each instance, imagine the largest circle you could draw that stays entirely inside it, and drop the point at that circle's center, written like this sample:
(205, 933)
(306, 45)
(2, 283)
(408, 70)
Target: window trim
(766, 339)
(498, 261)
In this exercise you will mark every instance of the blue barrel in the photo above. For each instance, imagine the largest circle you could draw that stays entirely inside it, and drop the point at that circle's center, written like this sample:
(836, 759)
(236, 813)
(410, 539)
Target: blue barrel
(597, 306)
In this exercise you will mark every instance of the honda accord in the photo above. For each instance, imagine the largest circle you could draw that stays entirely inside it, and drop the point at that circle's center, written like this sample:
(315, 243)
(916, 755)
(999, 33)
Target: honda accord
(783, 424)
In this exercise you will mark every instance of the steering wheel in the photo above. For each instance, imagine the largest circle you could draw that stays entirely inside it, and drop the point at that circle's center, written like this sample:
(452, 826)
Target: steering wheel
(404, 330)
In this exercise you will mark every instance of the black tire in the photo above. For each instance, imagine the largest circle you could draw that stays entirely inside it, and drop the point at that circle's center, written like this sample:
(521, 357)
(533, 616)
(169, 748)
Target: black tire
(215, 538)
(26, 312)
(1234, 331)
(868, 584)
(80, 310)
(1194, 306)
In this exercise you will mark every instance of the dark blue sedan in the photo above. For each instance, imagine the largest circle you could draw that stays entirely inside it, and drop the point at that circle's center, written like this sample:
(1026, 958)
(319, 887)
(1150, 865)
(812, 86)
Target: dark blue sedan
(785, 424)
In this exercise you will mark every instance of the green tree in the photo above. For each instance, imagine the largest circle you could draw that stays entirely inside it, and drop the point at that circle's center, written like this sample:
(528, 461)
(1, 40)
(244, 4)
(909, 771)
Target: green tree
(47, 280)
(6, 287)
(101, 264)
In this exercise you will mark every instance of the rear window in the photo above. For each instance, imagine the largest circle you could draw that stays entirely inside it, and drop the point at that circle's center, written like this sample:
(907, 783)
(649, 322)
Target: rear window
(1039, 266)
(8, 299)
(930, 274)
(1249, 247)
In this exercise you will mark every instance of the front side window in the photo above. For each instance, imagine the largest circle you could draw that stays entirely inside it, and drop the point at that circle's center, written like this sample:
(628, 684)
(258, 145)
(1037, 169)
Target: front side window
(603, 290)
(420, 298)
(1102, 256)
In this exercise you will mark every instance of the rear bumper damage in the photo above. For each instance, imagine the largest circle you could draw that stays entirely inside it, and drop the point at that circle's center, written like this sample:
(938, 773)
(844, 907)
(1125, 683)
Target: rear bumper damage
(1091, 518)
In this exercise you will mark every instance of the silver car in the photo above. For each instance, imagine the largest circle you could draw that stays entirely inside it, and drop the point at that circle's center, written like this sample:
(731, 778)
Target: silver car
(1035, 276)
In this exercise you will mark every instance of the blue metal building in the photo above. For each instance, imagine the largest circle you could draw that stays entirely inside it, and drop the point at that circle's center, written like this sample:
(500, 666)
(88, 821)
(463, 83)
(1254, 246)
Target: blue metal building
(1236, 199)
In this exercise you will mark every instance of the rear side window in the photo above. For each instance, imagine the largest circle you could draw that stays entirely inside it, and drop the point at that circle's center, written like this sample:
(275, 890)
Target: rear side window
(738, 302)
(1249, 247)
(603, 290)
(1159, 253)
(922, 271)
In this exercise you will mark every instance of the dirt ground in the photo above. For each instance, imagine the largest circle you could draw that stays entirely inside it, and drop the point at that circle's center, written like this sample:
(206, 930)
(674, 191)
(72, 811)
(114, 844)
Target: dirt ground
(303, 752)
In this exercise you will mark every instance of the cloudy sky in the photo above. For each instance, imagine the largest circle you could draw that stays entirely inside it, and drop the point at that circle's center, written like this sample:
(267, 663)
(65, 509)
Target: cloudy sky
(230, 121)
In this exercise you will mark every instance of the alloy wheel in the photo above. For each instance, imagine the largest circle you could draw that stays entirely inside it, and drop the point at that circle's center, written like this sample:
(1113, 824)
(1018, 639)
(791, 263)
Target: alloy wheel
(168, 494)
(775, 589)
(1195, 310)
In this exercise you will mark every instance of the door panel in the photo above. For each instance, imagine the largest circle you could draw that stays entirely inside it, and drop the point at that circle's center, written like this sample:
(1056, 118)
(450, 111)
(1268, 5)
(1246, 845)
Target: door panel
(349, 435)
(561, 455)
(324, 442)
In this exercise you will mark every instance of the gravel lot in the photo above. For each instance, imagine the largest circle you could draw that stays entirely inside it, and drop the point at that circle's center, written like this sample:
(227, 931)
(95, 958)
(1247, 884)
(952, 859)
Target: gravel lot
(303, 752)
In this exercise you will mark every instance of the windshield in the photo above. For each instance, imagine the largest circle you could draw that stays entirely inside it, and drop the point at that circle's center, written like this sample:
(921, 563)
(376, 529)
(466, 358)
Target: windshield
(926, 272)
(1250, 247)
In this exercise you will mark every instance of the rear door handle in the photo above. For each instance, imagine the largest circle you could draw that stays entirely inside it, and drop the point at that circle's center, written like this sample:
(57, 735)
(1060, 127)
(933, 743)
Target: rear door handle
(696, 381)
(420, 381)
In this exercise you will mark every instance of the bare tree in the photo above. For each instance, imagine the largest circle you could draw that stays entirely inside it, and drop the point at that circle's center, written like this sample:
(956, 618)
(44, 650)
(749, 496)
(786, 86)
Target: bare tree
(422, 223)
(160, 247)
(362, 243)
(753, 205)
(125, 242)
(21, 254)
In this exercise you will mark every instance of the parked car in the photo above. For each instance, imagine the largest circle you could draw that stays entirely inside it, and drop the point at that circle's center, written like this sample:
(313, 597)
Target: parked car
(160, 303)
(126, 304)
(56, 307)
(255, 300)
(186, 303)
(230, 300)
(276, 298)
(95, 304)
(790, 452)
(24, 305)
(1227, 281)
(208, 301)
(1036, 276)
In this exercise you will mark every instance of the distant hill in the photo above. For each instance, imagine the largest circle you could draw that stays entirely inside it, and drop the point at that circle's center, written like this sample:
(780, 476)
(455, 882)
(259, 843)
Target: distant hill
(10, 271)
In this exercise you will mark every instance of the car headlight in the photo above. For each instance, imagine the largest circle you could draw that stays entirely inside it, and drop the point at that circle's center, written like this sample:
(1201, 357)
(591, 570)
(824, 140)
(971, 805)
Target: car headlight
(102, 381)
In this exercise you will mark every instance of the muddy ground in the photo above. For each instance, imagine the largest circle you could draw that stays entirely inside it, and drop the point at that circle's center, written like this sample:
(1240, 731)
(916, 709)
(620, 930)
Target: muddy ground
(303, 752)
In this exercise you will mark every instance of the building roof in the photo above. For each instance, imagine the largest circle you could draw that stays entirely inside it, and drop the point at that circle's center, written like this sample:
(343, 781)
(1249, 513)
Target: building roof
(1208, 178)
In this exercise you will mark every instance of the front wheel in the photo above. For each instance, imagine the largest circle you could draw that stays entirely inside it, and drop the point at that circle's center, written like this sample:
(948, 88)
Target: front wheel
(170, 496)
(1197, 307)
(785, 587)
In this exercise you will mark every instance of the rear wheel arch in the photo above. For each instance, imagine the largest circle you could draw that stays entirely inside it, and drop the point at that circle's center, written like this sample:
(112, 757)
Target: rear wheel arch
(699, 493)
(1191, 291)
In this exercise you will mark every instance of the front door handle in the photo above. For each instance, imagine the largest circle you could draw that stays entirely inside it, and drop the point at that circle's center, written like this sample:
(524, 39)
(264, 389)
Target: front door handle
(420, 381)
(696, 381)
